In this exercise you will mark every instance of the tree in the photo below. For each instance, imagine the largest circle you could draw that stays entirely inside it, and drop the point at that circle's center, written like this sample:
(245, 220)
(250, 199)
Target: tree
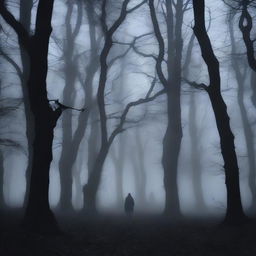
(172, 85)
(248, 132)
(38, 215)
(140, 177)
(118, 155)
(7, 106)
(234, 211)
(246, 26)
(72, 138)
(22, 73)
(70, 75)
(91, 188)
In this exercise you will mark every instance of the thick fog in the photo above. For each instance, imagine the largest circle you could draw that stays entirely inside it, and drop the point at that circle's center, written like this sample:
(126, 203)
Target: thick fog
(134, 161)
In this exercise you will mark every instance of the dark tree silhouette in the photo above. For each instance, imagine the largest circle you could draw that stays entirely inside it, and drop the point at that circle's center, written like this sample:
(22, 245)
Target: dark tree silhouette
(38, 214)
(234, 211)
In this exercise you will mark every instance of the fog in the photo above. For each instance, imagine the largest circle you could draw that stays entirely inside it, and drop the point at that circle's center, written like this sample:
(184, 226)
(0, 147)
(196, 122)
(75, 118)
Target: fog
(135, 156)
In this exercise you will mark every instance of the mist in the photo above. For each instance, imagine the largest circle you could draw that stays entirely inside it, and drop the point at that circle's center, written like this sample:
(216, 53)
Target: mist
(101, 99)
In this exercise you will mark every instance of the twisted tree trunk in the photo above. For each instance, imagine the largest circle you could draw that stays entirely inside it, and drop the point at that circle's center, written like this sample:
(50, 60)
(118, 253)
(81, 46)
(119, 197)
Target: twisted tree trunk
(234, 212)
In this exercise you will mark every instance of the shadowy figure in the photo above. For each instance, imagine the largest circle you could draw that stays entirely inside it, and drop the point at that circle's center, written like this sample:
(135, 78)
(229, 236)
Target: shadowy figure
(129, 205)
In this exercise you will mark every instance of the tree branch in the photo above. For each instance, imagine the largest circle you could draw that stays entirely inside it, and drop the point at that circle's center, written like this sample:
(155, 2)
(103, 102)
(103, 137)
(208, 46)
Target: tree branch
(16, 25)
(160, 40)
(119, 128)
(195, 85)
(55, 104)
(137, 6)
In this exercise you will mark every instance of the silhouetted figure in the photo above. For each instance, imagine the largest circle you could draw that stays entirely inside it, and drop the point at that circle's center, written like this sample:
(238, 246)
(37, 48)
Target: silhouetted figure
(129, 205)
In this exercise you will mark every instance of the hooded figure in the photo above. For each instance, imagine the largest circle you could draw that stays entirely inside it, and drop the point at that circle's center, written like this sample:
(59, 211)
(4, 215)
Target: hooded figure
(129, 205)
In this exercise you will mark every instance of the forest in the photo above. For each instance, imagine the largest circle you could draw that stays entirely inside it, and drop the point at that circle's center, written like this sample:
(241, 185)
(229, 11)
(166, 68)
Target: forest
(127, 127)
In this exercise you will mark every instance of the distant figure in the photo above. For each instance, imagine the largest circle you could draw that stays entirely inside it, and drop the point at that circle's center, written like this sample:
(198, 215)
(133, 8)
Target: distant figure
(129, 205)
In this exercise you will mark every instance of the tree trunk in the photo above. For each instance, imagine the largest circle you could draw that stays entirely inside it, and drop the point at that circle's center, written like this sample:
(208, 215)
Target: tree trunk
(140, 170)
(171, 149)
(234, 212)
(196, 167)
(173, 136)
(119, 160)
(253, 88)
(249, 140)
(67, 158)
(93, 140)
(246, 26)
(91, 188)
(38, 215)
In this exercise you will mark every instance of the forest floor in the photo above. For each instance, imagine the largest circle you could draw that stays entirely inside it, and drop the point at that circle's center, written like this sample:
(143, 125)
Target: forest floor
(140, 236)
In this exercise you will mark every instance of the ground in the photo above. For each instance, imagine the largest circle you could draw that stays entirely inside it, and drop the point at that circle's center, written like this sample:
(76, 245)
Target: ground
(157, 236)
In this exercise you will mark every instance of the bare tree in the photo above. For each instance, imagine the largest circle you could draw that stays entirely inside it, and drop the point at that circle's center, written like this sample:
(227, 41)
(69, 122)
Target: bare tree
(240, 74)
(234, 212)
(70, 76)
(38, 215)
(172, 85)
(91, 188)
(245, 7)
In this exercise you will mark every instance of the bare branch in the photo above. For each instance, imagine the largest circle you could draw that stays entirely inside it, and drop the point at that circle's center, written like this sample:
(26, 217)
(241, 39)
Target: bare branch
(17, 26)
(137, 6)
(160, 40)
(14, 64)
(55, 104)
(195, 85)
(119, 128)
